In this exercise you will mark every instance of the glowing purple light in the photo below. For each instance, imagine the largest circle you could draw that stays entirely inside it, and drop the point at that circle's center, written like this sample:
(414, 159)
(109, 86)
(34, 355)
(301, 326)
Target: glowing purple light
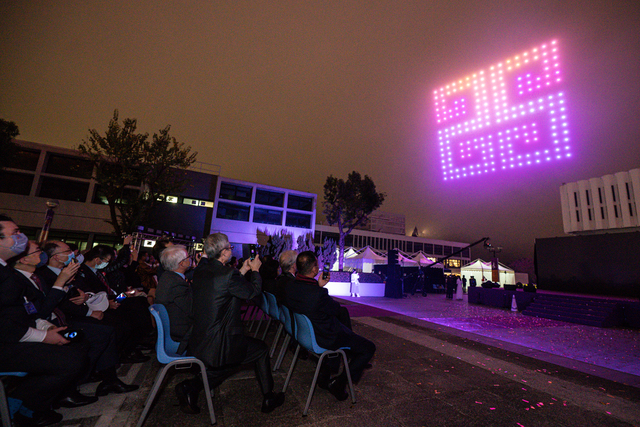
(492, 121)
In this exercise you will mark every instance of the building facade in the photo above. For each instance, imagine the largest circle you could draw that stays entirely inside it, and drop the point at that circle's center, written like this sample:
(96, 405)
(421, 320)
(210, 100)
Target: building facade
(598, 204)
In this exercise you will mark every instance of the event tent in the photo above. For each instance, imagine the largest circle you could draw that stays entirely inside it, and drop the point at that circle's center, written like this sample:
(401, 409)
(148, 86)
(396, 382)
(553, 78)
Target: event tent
(482, 270)
(365, 260)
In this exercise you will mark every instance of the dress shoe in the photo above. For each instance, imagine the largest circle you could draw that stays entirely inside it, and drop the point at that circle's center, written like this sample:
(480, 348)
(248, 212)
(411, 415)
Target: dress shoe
(271, 401)
(338, 387)
(39, 419)
(187, 398)
(117, 386)
(74, 400)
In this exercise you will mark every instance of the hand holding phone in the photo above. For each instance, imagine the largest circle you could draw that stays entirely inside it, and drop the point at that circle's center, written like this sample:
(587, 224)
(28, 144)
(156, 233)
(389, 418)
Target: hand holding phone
(325, 271)
(253, 252)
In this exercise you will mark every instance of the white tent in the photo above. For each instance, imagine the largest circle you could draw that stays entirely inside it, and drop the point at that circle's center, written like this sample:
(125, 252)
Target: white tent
(481, 270)
(405, 261)
(421, 259)
(364, 260)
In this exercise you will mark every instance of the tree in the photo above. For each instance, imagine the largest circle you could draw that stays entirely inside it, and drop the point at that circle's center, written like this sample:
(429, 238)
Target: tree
(349, 203)
(305, 243)
(135, 174)
(279, 242)
(8, 148)
(327, 253)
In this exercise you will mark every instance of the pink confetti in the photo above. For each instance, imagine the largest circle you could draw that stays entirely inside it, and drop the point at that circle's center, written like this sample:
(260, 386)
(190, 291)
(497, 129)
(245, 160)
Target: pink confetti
(479, 403)
(525, 401)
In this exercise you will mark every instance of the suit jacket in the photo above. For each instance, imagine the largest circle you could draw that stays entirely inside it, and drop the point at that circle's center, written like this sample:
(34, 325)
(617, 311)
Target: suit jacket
(218, 293)
(43, 301)
(175, 294)
(70, 309)
(305, 296)
(88, 281)
(14, 320)
(281, 286)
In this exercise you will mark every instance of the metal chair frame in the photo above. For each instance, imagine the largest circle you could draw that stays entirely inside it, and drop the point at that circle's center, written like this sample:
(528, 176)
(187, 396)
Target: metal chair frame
(5, 415)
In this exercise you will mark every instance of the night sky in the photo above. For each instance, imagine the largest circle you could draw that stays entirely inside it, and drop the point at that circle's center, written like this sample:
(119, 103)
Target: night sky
(287, 92)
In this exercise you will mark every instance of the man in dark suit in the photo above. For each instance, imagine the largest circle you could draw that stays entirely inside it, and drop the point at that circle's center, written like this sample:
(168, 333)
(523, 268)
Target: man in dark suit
(306, 295)
(51, 365)
(174, 292)
(218, 336)
(288, 266)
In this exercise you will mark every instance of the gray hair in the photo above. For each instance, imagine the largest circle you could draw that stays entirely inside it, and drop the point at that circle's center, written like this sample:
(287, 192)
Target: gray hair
(172, 256)
(287, 260)
(214, 244)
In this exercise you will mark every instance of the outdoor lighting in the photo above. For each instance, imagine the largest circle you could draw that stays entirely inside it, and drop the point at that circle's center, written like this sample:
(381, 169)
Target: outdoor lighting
(488, 121)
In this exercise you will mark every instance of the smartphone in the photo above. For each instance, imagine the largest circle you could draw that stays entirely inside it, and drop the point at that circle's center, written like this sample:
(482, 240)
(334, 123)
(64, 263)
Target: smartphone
(253, 252)
(73, 335)
(325, 271)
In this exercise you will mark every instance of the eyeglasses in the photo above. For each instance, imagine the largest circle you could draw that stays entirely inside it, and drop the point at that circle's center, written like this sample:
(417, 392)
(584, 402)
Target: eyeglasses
(62, 252)
(187, 258)
(229, 247)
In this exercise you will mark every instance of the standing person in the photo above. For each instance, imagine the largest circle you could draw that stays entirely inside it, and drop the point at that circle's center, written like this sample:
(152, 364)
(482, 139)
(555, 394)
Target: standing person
(355, 284)
(451, 286)
(217, 338)
(458, 288)
(472, 282)
(464, 284)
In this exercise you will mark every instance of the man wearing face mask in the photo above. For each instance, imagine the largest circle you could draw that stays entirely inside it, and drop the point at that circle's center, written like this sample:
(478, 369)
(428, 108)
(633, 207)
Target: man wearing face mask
(52, 366)
(125, 317)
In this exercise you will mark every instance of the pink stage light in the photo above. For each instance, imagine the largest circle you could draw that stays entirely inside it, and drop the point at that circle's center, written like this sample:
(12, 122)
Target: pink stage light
(488, 121)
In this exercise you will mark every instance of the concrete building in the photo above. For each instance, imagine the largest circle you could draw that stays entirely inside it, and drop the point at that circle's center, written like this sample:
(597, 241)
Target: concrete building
(608, 203)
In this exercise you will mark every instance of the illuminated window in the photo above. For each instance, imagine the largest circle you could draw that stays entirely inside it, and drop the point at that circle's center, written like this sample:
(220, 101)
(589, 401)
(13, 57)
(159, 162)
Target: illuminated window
(240, 193)
(511, 114)
(298, 220)
(233, 211)
(267, 216)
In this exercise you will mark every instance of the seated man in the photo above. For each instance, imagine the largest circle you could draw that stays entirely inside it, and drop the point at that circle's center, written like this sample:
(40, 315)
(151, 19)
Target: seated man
(53, 367)
(218, 339)
(175, 294)
(288, 266)
(306, 295)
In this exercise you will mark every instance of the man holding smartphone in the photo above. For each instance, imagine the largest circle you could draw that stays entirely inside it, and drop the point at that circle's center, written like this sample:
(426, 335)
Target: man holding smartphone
(306, 295)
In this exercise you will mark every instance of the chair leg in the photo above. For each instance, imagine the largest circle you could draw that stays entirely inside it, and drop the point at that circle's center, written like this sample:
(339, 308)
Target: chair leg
(255, 335)
(293, 364)
(264, 335)
(313, 385)
(152, 394)
(207, 393)
(283, 350)
(348, 371)
(276, 339)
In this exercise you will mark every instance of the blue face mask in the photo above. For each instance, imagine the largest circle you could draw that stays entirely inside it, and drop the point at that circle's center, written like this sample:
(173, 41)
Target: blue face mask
(44, 259)
(102, 265)
(80, 258)
(68, 261)
(20, 243)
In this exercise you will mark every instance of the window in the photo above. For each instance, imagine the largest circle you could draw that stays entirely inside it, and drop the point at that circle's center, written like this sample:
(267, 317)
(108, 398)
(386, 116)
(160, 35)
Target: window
(240, 193)
(588, 198)
(63, 189)
(26, 159)
(269, 198)
(100, 199)
(628, 192)
(16, 183)
(600, 194)
(68, 166)
(267, 216)
(298, 220)
(613, 191)
(348, 240)
(233, 211)
(448, 250)
(575, 197)
(578, 216)
(465, 253)
(437, 249)
(589, 211)
(615, 210)
(602, 212)
(428, 248)
(418, 247)
(300, 203)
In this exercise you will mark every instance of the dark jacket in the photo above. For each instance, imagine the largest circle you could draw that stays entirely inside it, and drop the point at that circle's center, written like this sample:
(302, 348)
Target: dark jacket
(218, 293)
(281, 286)
(305, 296)
(70, 309)
(44, 301)
(14, 320)
(175, 294)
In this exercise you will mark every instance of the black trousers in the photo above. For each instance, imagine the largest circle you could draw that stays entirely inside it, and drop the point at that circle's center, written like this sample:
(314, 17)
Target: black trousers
(257, 354)
(53, 370)
(360, 353)
(101, 341)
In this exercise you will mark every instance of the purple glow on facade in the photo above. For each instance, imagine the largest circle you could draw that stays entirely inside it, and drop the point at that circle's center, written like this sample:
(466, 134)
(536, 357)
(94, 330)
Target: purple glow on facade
(510, 115)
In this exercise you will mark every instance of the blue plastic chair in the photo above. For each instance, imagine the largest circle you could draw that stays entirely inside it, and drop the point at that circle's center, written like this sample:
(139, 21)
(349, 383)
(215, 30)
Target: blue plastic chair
(274, 314)
(4, 406)
(263, 304)
(306, 338)
(287, 322)
(166, 351)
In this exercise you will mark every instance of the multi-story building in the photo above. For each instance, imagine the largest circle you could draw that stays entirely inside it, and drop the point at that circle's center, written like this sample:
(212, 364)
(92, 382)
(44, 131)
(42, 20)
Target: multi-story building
(608, 203)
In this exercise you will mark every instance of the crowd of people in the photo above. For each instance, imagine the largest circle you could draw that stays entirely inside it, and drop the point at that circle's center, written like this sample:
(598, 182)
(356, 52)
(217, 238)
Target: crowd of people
(69, 318)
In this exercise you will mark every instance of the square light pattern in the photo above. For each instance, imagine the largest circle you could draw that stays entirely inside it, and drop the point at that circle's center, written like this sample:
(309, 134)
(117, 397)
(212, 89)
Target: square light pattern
(511, 114)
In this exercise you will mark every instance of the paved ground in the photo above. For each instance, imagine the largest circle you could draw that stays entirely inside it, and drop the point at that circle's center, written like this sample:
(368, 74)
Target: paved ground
(488, 372)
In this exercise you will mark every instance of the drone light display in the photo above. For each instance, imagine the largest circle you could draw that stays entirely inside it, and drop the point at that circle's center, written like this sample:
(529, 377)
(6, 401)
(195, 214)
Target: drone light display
(511, 114)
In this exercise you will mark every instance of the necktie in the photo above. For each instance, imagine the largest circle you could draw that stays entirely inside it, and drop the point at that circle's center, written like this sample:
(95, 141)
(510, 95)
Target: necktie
(103, 280)
(59, 314)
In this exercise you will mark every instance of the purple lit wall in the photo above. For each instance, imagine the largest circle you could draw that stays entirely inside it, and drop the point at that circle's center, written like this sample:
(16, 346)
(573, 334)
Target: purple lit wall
(508, 115)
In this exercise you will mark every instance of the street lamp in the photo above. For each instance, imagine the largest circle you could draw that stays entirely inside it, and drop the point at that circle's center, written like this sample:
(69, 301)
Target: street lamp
(48, 218)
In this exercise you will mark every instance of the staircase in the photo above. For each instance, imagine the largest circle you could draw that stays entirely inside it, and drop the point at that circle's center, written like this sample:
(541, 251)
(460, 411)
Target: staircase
(585, 311)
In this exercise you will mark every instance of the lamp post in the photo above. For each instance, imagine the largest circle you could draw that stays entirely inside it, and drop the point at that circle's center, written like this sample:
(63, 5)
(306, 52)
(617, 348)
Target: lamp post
(48, 218)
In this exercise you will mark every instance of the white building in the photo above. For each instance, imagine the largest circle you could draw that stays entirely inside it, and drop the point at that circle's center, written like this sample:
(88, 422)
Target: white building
(605, 203)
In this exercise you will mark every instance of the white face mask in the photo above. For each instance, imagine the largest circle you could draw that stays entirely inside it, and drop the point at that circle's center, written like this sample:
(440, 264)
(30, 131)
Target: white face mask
(80, 258)
(102, 265)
